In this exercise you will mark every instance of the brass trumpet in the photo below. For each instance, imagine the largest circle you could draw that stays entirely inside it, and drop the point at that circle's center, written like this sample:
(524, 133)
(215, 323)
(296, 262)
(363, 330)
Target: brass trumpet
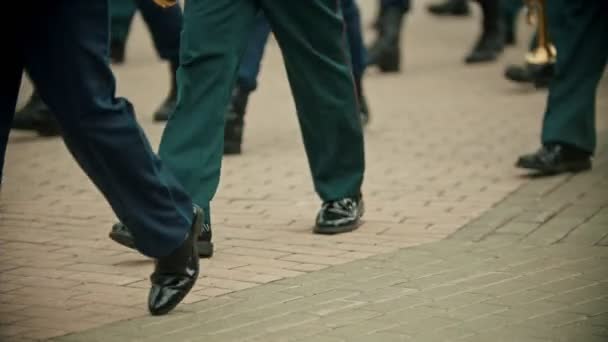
(544, 52)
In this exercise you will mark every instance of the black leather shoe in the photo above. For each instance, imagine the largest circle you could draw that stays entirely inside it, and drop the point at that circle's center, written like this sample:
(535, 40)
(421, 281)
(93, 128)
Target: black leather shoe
(539, 75)
(168, 106)
(555, 159)
(339, 216)
(364, 109)
(450, 7)
(510, 38)
(235, 121)
(117, 52)
(36, 116)
(385, 52)
(487, 49)
(175, 275)
(122, 235)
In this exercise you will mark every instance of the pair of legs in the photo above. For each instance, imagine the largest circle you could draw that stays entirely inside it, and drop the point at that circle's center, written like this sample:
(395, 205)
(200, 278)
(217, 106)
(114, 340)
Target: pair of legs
(311, 37)
(580, 34)
(165, 26)
(250, 69)
(63, 46)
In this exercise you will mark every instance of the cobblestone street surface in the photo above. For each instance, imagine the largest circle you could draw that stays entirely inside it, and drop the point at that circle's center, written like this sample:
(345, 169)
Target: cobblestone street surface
(457, 244)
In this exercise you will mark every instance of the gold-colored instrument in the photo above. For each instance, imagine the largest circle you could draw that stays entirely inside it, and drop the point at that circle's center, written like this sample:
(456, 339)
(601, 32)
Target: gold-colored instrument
(165, 3)
(544, 52)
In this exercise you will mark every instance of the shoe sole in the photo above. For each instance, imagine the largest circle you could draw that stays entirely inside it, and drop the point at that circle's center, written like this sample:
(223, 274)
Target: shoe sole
(205, 248)
(232, 148)
(337, 230)
(567, 167)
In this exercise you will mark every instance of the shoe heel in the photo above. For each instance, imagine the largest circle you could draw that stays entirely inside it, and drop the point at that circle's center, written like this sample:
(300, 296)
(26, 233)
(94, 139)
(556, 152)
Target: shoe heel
(390, 62)
(232, 148)
(205, 249)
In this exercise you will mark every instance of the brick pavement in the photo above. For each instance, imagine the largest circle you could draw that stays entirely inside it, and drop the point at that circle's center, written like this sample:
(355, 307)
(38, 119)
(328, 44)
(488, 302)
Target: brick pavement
(510, 275)
(437, 159)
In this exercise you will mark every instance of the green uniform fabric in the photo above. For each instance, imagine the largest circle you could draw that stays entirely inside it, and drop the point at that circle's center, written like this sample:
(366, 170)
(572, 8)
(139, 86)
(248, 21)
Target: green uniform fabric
(121, 12)
(510, 12)
(311, 36)
(580, 33)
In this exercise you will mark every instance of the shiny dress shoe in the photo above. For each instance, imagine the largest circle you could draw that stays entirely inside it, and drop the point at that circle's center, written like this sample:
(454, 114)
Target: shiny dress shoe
(168, 106)
(450, 7)
(175, 275)
(339, 216)
(121, 234)
(555, 159)
(235, 121)
(538, 74)
(487, 49)
(36, 116)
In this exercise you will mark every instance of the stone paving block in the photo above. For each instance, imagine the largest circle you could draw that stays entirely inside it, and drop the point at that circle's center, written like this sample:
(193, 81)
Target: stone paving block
(485, 323)
(422, 326)
(506, 287)
(460, 300)
(334, 306)
(564, 285)
(590, 308)
(383, 336)
(574, 296)
(321, 338)
(348, 317)
(536, 265)
(506, 337)
(363, 328)
(520, 298)
(588, 233)
(555, 319)
(397, 304)
(530, 310)
(476, 310)
(518, 228)
(280, 323)
(299, 331)
(379, 295)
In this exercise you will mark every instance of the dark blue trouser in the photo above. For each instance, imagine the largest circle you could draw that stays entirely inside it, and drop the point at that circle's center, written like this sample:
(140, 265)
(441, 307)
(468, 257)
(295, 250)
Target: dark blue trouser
(63, 45)
(403, 4)
(165, 24)
(250, 63)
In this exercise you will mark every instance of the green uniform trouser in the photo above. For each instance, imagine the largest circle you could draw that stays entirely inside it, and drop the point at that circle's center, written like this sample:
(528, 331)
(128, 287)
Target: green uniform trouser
(580, 33)
(121, 12)
(510, 12)
(311, 36)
